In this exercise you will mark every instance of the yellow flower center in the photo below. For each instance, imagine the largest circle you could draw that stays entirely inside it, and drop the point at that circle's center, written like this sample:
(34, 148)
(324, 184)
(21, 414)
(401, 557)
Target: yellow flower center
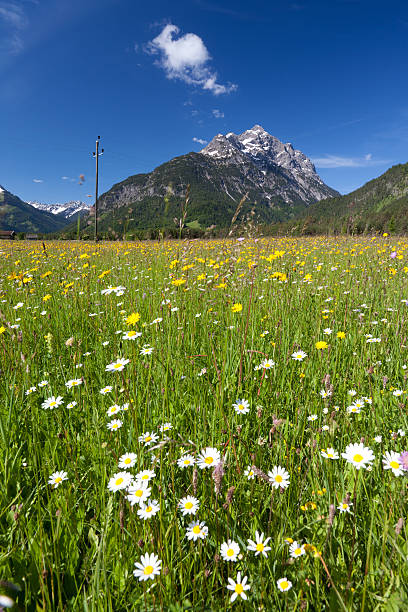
(58, 479)
(278, 478)
(240, 407)
(115, 426)
(149, 509)
(186, 462)
(116, 366)
(148, 438)
(330, 455)
(188, 505)
(119, 481)
(239, 588)
(128, 460)
(298, 551)
(148, 570)
(145, 477)
(394, 464)
(357, 458)
(52, 403)
(139, 493)
(208, 460)
(260, 547)
(230, 552)
(344, 506)
(196, 529)
(284, 584)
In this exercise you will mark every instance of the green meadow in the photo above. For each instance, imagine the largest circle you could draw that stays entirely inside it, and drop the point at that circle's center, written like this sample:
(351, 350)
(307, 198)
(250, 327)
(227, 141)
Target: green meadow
(204, 425)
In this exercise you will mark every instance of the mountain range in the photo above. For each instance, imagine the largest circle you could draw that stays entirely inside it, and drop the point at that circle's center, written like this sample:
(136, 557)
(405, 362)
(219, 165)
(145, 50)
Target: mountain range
(67, 209)
(277, 180)
(249, 176)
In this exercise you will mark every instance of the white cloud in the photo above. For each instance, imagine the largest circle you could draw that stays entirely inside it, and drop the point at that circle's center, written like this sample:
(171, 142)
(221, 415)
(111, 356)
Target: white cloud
(186, 58)
(335, 161)
(217, 113)
(15, 20)
(13, 14)
(38, 181)
(200, 141)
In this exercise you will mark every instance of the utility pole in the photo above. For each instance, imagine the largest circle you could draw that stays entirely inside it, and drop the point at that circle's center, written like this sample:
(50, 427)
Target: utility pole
(96, 156)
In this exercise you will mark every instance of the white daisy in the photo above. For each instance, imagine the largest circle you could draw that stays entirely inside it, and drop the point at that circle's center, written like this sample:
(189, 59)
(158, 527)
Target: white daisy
(249, 473)
(239, 587)
(56, 478)
(330, 453)
(279, 477)
(148, 509)
(131, 335)
(208, 458)
(188, 505)
(229, 550)
(114, 424)
(119, 481)
(260, 546)
(345, 507)
(299, 355)
(127, 461)
(145, 475)
(147, 350)
(106, 390)
(148, 567)
(391, 462)
(296, 550)
(52, 402)
(241, 406)
(148, 438)
(138, 492)
(283, 584)
(113, 410)
(75, 382)
(117, 366)
(186, 461)
(197, 531)
(358, 455)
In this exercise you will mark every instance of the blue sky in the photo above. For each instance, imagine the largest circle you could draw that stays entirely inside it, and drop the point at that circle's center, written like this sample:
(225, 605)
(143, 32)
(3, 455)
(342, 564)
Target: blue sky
(150, 77)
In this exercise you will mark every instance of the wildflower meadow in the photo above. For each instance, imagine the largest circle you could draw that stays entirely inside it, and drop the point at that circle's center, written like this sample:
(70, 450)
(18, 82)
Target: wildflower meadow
(204, 425)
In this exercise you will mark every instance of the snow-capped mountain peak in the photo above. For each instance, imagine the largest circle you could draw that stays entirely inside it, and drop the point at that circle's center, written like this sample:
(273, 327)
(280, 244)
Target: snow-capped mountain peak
(268, 153)
(67, 210)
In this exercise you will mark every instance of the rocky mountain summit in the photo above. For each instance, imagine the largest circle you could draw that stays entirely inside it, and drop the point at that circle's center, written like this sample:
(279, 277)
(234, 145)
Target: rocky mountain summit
(268, 153)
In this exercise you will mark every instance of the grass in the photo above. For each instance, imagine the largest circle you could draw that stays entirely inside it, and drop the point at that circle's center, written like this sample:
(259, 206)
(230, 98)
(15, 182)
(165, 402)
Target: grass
(213, 312)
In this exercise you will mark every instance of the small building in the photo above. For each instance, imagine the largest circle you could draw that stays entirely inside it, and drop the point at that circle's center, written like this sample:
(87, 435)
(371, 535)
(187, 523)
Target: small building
(7, 234)
(31, 237)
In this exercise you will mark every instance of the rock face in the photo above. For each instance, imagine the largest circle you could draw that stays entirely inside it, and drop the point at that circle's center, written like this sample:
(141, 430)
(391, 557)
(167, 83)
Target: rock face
(268, 154)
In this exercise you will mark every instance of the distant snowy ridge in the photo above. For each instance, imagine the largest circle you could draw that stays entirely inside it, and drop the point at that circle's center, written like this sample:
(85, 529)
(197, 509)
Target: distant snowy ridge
(67, 210)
